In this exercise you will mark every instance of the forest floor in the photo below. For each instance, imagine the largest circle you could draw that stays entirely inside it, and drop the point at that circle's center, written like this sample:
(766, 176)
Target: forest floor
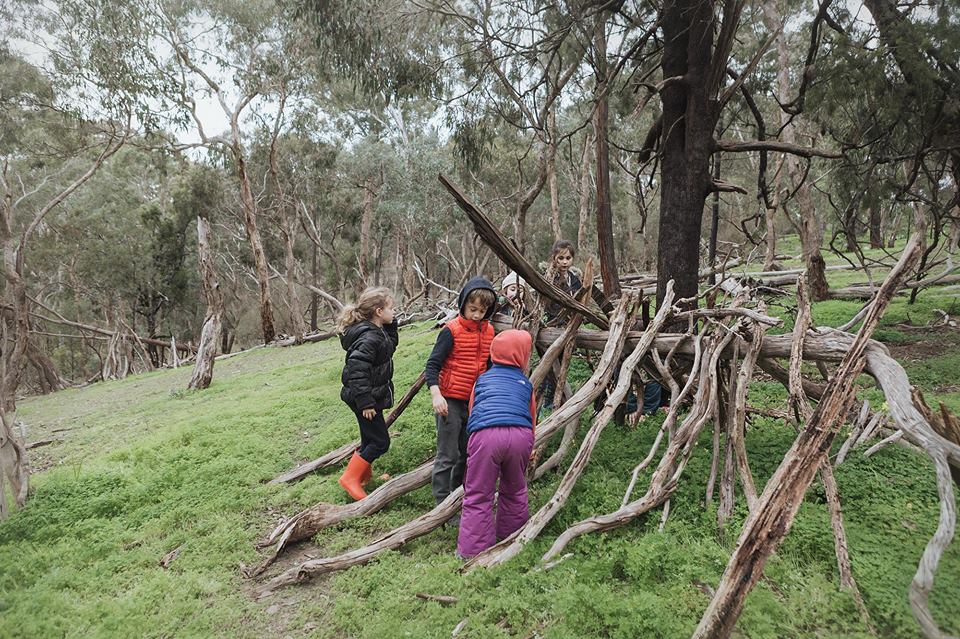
(142, 468)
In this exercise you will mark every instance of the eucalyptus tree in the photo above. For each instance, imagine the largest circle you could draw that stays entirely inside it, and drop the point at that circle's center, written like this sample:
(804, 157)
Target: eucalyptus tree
(46, 154)
(182, 61)
(925, 48)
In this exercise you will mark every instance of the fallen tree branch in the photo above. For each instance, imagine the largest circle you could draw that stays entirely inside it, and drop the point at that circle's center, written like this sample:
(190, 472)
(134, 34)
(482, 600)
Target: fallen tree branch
(511, 256)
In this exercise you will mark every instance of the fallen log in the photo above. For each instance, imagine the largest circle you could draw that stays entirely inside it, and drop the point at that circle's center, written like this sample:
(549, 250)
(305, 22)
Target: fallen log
(39, 443)
(825, 344)
(393, 539)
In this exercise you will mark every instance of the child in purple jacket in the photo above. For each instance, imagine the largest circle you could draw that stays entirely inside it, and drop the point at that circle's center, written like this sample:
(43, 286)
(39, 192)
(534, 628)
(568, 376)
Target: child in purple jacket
(501, 431)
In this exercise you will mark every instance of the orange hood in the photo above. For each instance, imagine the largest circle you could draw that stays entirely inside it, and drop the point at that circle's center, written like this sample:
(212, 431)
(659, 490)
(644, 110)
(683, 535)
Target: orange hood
(511, 348)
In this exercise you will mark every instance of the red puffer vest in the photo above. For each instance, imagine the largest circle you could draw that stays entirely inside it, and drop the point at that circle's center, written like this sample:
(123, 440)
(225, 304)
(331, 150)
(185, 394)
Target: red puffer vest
(467, 359)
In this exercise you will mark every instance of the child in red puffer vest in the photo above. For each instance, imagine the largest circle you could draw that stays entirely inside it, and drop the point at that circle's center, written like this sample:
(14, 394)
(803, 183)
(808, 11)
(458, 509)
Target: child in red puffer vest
(461, 353)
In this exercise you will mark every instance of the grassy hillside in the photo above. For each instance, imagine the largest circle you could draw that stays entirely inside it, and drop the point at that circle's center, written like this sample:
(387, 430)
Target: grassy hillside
(143, 468)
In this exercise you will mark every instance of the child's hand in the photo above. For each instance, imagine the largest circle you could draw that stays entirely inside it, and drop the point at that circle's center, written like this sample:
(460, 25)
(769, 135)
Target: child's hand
(439, 403)
(369, 413)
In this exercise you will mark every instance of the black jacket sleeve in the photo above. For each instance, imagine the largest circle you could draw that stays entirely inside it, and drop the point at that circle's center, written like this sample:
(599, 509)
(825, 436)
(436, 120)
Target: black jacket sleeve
(441, 349)
(360, 361)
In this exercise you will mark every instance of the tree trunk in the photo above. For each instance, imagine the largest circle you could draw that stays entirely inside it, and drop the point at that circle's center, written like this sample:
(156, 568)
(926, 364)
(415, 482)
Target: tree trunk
(297, 323)
(714, 223)
(769, 217)
(688, 124)
(811, 233)
(530, 195)
(210, 334)
(876, 222)
(552, 179)
(584, 218)
(366, 221)
(13, 465)
(314, 297)
(605, 246)
(256, 245)
(850, 228)
(13, 455)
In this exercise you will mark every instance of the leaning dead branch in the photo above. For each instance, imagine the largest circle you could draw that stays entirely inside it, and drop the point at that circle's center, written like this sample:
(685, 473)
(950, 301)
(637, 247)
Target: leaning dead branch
(803, 413)
(512, 257)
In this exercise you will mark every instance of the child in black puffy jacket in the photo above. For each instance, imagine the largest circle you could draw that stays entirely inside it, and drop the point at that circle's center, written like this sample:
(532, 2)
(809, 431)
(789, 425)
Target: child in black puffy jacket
(368, 333)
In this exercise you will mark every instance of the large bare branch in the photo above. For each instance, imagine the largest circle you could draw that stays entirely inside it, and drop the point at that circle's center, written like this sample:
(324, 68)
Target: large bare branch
(506, 251)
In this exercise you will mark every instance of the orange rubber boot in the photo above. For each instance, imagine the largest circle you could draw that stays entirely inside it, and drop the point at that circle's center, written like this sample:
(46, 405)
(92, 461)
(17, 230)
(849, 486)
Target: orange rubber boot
(350, 479)
(367, 474)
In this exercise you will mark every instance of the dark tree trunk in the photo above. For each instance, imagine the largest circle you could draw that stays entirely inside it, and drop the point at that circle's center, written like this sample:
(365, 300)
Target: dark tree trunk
(876, 234)
(605, 245)
(584, 194)
(850, 229)
(689, 118)
(314, 299)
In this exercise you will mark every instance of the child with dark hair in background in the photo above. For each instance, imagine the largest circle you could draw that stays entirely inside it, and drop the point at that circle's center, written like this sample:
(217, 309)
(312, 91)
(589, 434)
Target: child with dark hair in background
(461, 353)
(560, 272)
(368, 333)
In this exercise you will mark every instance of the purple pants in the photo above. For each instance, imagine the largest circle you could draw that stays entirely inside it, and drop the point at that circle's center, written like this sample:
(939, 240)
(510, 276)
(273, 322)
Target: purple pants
(498, 452)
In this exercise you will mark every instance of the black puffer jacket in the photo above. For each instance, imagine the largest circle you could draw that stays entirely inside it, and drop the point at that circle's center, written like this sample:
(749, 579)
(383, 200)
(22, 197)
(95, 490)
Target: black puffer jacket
(368, 366)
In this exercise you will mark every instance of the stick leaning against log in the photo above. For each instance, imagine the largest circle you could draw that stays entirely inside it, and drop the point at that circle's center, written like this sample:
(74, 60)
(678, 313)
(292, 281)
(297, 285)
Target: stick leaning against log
(507, 252)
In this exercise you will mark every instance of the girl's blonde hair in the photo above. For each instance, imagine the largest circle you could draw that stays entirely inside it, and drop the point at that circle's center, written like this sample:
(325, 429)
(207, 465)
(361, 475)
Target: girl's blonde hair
(367, 304)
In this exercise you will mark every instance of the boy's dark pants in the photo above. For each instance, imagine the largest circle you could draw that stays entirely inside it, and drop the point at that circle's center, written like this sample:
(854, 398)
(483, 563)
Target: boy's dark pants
(451, 459)
(374, 438)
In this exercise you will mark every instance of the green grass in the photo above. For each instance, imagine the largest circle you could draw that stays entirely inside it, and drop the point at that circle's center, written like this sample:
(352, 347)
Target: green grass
(147, 467)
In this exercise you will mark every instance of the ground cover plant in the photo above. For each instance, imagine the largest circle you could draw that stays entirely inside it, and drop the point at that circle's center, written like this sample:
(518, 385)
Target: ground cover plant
(144, 473)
